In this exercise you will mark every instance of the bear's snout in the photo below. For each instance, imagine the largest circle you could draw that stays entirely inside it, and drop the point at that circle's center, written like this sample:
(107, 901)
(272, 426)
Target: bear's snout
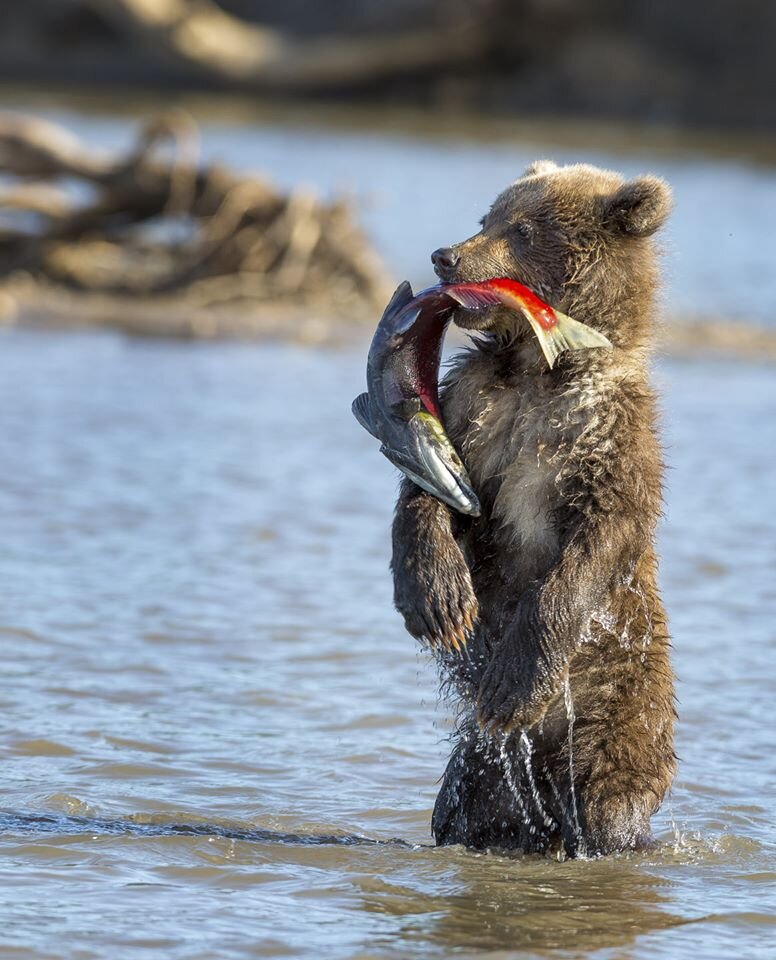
(478, 258)
(445, 260)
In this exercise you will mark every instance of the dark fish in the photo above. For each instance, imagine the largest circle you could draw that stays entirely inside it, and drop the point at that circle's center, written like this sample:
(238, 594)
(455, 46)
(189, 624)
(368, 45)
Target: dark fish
(401, 406)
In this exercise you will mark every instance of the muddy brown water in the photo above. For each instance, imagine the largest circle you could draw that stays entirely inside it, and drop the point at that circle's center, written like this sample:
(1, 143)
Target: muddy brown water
(205, 682)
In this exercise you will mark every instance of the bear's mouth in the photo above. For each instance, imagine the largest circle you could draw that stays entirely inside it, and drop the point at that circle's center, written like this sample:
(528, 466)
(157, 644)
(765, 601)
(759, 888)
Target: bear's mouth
(487, 316)
(480, 319)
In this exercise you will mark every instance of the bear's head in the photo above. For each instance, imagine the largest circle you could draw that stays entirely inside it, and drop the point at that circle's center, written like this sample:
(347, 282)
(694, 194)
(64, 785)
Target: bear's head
(578, 237)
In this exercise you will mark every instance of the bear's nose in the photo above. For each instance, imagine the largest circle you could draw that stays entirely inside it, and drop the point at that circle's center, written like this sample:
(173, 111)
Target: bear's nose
(445, 260)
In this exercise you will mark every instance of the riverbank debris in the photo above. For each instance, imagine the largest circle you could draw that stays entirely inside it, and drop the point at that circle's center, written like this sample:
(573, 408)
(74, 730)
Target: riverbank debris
(155, 241)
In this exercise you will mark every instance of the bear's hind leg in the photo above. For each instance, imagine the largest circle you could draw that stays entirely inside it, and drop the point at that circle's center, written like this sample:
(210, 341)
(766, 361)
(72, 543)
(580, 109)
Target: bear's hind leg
(612, 823)
(624, 764)
(620, 697)
(487, 800)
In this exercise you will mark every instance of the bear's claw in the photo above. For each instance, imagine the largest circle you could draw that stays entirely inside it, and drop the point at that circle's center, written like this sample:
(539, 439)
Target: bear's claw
(440, 627)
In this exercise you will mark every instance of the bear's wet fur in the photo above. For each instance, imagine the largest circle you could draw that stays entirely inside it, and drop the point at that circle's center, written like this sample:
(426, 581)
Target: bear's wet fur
(565, 692)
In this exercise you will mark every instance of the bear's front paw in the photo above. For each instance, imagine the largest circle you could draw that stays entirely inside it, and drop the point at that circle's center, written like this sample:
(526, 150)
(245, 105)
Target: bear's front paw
(511, 699)
(438, 605)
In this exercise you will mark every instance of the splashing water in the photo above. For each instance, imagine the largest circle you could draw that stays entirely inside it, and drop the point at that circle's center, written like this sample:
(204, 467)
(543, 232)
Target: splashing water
(571, 718)
(677, 833)
(527, 750)
(509, 775)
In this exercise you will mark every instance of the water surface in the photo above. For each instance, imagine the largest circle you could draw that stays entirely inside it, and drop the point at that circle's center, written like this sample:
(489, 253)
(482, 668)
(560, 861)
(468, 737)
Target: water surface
(197, 630)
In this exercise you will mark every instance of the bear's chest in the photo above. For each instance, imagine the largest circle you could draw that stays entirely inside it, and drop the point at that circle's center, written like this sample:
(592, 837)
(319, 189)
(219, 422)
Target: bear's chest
(515, 434)
(511, 456)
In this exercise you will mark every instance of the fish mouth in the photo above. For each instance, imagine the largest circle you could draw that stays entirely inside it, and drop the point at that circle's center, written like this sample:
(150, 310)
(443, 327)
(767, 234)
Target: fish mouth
(460, 498)
(430, 461)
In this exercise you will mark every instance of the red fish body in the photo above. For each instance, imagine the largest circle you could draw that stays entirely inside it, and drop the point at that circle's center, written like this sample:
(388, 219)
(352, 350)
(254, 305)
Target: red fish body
(554, 330)
(510, 292)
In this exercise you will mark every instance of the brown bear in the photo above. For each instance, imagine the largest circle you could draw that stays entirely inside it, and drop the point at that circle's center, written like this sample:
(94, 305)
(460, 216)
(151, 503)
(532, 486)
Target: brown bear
(564, 739)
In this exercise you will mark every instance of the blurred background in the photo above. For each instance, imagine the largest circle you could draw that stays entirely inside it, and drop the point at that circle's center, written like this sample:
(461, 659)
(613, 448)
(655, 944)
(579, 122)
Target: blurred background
(343, 127)
(681, 64)
(203, 207)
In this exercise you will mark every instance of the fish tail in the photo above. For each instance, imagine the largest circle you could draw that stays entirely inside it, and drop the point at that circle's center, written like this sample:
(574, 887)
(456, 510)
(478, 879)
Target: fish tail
(566, 334)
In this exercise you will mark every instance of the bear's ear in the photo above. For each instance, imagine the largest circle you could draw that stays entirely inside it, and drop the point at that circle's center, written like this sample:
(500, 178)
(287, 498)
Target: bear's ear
(639, 207)
(539, 167)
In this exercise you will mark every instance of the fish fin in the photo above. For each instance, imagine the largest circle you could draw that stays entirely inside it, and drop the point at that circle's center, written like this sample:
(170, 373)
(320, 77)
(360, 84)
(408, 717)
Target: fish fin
(402, 297)
(473, 296)
(362, 411)
(566, 334)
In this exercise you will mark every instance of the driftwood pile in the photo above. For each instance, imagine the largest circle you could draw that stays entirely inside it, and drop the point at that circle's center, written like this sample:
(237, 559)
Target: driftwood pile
(155, 243)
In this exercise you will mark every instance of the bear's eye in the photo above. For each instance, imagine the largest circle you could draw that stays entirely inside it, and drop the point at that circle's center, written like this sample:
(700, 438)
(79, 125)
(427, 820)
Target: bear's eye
(523, 229)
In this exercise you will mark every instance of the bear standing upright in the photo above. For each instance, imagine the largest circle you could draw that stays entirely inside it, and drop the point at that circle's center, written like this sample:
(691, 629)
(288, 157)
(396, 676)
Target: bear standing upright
(565, 731)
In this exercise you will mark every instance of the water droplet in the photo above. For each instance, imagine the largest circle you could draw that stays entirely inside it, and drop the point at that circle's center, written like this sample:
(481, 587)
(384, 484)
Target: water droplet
(571, 718)
(509, 775)
(527, 748)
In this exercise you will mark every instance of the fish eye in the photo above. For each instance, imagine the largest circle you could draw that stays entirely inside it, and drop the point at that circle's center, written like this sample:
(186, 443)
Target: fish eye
(406, 408)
